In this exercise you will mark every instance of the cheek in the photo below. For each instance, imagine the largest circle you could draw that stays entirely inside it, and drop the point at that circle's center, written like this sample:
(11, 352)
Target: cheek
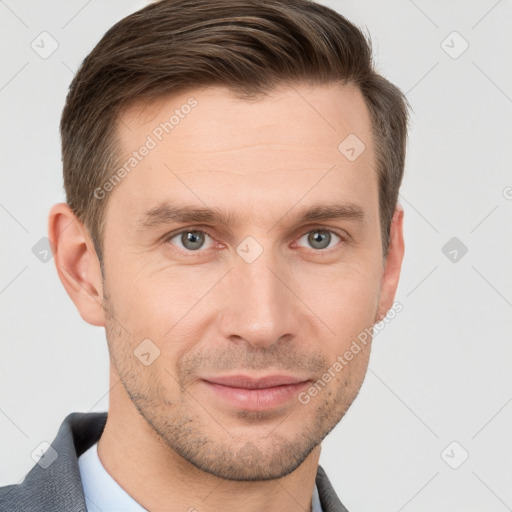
(163, 302)
(141, 285)
(345, 296)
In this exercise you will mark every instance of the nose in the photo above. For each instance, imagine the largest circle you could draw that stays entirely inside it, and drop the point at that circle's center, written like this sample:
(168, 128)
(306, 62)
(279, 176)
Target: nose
(261, 308)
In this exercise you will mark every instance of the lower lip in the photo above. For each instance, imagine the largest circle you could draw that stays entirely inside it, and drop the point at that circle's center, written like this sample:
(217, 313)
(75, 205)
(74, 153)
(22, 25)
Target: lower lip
(257, 399)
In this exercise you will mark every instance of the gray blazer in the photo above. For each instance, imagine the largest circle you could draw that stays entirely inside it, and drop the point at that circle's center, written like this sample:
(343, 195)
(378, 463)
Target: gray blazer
(58, 488)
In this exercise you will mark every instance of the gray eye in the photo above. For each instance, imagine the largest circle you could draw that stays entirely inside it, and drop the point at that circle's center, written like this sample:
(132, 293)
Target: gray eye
(192, 240)
(320, 238)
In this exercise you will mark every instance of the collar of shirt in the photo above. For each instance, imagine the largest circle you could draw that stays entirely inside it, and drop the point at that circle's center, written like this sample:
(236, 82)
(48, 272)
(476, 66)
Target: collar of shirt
(104, 494)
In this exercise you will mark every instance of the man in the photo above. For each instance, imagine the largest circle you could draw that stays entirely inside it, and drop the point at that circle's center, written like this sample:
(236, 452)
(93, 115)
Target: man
(232, 171)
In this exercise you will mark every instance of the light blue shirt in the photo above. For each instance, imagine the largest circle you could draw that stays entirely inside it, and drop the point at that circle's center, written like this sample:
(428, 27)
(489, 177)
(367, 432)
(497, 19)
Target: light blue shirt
(104, 494)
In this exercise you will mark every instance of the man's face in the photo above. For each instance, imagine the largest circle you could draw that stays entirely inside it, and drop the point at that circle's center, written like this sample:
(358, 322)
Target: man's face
(261, 292)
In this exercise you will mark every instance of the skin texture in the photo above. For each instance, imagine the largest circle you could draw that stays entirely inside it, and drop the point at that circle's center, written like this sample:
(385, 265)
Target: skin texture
(170, 441)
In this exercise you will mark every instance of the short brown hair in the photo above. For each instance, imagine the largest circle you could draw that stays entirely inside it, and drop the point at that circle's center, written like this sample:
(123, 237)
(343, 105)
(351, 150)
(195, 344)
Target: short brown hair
(249, 46)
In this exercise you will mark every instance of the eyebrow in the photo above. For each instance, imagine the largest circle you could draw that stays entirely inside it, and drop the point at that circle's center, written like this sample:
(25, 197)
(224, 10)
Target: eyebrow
(165, 213)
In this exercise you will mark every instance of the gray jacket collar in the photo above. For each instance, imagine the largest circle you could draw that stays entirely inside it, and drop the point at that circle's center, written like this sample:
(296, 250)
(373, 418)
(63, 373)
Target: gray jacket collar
(58, 487)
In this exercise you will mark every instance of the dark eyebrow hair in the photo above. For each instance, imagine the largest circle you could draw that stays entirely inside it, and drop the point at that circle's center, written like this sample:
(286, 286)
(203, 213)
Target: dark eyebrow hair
(166, 213)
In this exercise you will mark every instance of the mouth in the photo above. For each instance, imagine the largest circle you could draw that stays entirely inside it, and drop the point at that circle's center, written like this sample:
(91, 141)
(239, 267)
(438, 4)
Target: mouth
(256, 394)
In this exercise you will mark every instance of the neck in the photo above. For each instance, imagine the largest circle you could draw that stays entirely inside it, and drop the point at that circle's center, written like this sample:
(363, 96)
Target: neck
(156, 476)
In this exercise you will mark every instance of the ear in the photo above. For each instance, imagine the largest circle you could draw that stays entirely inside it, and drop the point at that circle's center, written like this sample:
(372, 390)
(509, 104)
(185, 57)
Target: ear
(392, 264)
(77, 263)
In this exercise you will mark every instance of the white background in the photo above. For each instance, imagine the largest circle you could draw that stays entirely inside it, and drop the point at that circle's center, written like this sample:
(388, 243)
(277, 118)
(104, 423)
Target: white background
(439, 372)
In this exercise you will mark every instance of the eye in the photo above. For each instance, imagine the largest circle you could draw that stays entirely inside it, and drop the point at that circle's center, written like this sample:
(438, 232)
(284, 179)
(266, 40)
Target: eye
(320, 239)
(192, 240)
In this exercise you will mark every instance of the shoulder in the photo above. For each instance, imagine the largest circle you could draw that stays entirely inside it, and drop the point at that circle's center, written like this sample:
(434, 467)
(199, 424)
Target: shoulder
(54, 483)
(328, 497)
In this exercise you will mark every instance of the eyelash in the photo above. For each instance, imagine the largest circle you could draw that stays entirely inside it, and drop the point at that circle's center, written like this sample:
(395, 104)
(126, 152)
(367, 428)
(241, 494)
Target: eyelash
(343, 238)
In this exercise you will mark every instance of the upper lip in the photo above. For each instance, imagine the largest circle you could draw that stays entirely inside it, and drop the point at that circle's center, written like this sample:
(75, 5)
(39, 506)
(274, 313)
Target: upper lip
(244, 381)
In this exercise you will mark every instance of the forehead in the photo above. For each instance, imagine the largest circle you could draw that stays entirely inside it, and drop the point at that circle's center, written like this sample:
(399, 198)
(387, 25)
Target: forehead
(209, 147)
(201, 118)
